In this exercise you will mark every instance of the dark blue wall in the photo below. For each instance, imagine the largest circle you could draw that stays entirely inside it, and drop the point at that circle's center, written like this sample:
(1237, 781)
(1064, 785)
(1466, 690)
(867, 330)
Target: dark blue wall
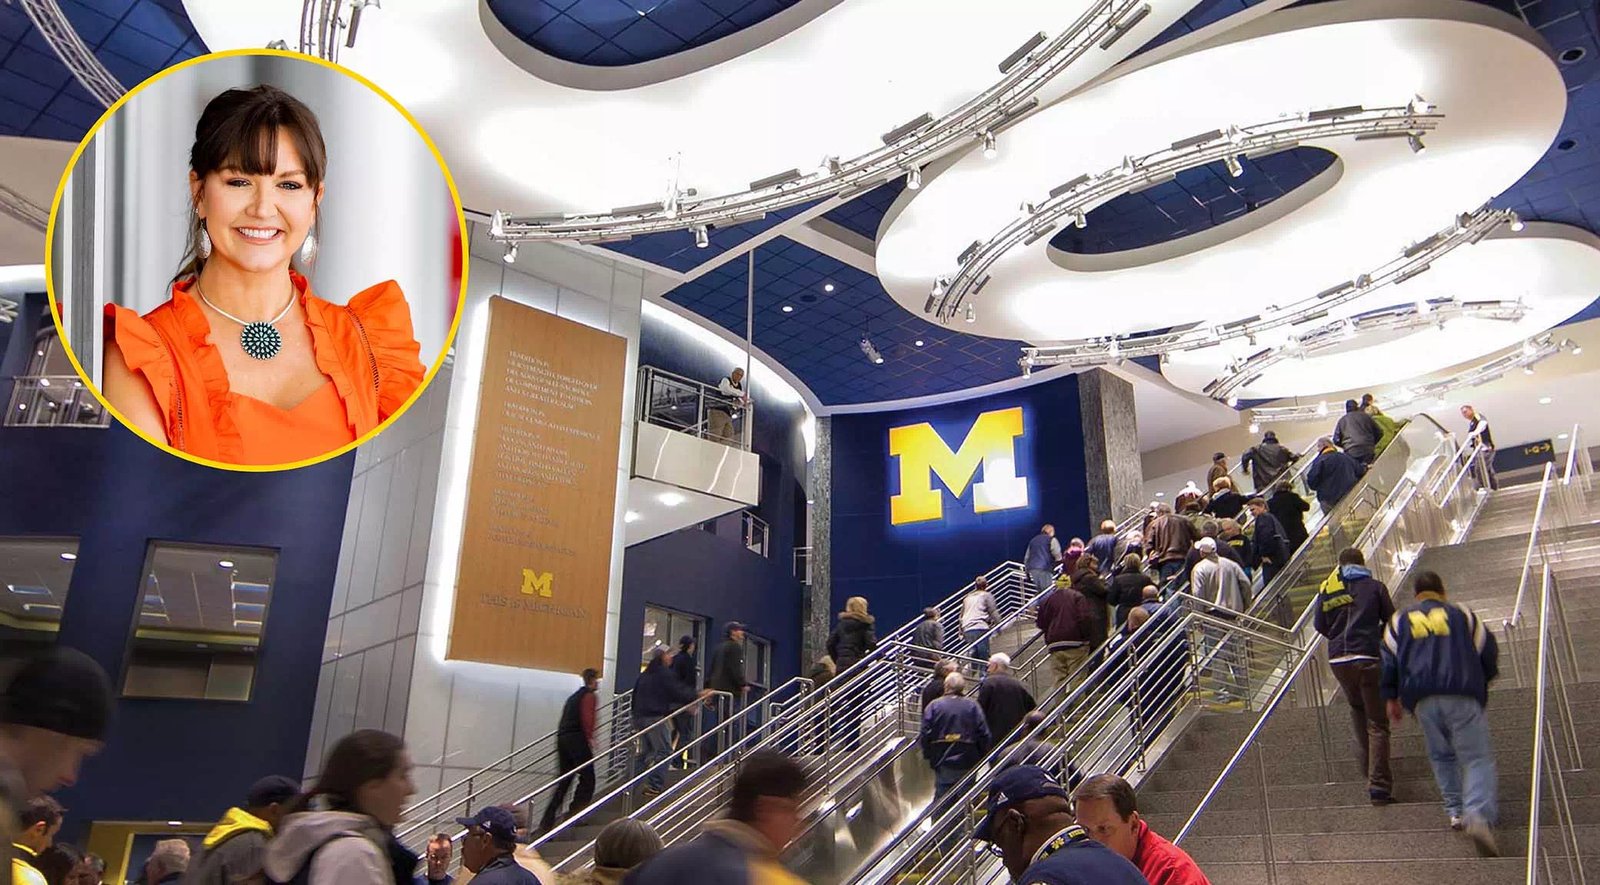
(175, 759)
(714, 576)
(901, 569)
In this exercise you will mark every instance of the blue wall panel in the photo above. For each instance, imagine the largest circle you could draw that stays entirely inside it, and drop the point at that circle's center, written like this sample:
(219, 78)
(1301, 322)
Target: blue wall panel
(901, 569)
(116, 493)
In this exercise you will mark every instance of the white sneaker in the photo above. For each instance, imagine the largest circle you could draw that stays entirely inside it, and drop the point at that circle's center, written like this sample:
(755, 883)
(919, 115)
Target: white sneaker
(1457, 823)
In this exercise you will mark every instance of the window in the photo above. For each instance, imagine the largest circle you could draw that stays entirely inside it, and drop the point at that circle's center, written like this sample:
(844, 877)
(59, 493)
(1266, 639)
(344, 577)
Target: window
(664, 626)
(51, 394)
(200, 622)
(34, 574)
(758, 663)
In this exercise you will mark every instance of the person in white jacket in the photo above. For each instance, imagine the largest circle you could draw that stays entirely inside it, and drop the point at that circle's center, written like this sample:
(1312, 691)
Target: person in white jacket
(979, 614)
(340, 832)
(1222, 582)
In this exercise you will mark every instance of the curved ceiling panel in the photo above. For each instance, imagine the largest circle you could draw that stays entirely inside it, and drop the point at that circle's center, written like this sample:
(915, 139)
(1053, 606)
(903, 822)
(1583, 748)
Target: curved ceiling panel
(611, 33)
(1553, 269)
(1497, 122)
(528, 145)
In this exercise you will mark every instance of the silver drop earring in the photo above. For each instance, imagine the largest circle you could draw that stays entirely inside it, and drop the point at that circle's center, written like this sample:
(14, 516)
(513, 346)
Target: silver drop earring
(205, 242)
(308, 249)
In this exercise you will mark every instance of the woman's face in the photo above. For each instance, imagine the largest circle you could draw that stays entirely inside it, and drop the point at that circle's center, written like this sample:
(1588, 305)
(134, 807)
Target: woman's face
(256, 222)
(385, 799)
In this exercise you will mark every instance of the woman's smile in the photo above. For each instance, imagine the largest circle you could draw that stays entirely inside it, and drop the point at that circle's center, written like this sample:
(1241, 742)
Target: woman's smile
(260, 236)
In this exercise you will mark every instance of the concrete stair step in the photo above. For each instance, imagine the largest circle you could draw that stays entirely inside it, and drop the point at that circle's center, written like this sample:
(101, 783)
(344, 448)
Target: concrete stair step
(1378, 845)
(1338, 815)
(1416, 871)
(1243, 791)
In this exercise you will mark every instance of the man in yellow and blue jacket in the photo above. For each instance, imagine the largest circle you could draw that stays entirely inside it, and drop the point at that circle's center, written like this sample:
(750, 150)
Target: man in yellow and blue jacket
(234, 847)
(40, 821)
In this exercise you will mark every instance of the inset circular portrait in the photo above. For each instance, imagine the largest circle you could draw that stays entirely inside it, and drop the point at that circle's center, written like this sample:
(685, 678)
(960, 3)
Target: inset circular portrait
(256, 259)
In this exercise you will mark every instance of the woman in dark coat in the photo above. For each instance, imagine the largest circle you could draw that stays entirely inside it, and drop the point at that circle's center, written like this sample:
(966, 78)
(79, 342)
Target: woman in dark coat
(1087, 581)
(1127, 588)
(852, 637)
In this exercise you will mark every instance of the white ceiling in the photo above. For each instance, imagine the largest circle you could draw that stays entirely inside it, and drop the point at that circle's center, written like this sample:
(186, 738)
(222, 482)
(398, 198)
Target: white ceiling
(655, 517)
(32, 167)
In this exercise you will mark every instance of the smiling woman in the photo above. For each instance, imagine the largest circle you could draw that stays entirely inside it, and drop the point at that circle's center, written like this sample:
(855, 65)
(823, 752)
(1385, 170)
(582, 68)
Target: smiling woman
(240, 361)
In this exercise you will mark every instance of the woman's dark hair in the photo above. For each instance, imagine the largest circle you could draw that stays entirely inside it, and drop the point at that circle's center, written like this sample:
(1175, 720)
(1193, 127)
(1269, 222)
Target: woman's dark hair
(358, 757)
(57, 862)
(239, 130)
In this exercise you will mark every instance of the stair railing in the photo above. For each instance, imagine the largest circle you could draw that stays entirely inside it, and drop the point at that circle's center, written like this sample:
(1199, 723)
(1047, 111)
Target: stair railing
(1553, 670)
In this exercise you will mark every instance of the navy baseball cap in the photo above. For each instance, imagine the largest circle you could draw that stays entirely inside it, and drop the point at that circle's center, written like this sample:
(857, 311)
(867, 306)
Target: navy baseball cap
(271, 790)
(500, 824)
(1013, 786)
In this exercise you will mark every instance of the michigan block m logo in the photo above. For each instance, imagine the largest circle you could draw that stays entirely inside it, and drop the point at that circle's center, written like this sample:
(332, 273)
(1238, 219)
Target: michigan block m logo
(923, 455)
(536, 583)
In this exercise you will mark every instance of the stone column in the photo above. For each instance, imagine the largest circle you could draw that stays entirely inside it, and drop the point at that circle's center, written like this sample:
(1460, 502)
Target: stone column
(1110, 446)
(818, 599)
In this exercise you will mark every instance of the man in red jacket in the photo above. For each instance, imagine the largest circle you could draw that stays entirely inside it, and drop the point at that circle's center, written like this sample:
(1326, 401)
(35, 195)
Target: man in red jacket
(1105, 806)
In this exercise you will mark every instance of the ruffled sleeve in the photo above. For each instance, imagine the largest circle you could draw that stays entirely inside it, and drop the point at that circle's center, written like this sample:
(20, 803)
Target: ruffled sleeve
(383, 317)
(146, 355)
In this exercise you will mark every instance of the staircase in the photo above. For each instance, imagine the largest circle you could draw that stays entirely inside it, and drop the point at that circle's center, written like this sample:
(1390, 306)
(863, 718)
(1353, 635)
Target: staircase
(1322, 829)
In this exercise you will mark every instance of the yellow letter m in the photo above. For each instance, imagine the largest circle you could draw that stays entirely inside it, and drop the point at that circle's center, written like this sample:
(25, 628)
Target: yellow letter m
(1435, 622)
(922, 454)
(536, 582)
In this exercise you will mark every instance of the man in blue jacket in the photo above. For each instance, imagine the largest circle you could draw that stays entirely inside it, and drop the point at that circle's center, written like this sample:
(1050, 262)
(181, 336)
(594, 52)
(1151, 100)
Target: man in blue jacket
(1438, 661)
(955, 735)
(1333, 474)
(1352, 609)
(488, 847)
(1028, 820)
(656, 695)
(1040, 559)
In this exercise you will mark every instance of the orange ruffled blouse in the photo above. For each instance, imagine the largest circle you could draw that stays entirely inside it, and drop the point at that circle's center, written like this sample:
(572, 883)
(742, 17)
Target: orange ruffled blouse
(366, 348)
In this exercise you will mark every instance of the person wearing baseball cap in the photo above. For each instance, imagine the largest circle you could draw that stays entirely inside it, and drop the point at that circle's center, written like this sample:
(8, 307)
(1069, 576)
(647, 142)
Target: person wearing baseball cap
(232, 851)
(488, 846)
(1028, 822)
(54, 713)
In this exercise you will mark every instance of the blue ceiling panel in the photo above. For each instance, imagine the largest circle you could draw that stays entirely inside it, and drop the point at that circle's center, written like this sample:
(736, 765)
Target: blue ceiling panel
(865, 213)
(132, 38)
(820, 339)
(611, 33)
(676, 249)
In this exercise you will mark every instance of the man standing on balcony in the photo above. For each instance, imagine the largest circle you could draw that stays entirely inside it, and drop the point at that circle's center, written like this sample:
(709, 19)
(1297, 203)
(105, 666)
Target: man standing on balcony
(1438, 661)
(1351, 610)
(1478, 432)
(1044, 551)
(720, 413)
(575, 749)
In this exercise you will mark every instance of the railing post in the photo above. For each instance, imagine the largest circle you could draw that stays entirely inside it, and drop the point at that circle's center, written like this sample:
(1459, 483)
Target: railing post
(1266, 816)
(467, 812)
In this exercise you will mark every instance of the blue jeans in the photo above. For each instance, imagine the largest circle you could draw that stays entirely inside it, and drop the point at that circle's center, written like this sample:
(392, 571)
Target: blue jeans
(981, 650)
(1457, 734)
(655, 745)
(945, 777)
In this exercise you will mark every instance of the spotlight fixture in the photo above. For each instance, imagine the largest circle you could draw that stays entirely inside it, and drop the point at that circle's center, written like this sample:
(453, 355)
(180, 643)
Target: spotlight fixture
(1527, 370)
(990, 149)
(224, 563)
(1517, 224)
(69, 557)
(702, 237)
(1255, 427)
(871, 352)
(827, 287)
(928, 307)
(1233, 401)
(1235, 168)
(1080, 219)
(914, 178)
(1415, 140)
(1419, 105)
(972, 315)
(919, 342)
(511, 254)
(939, 285)
(788, 308)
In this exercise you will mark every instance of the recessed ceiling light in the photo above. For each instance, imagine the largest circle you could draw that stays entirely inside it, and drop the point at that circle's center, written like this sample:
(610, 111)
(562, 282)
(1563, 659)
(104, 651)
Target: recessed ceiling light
(788, 308)
(1545, 400)
(1562, 435)
(919, 342)
(630, 516)
(827, 287)
(671, 499)
(1161, 494)
(69, 556)
(174, 823)
(224, 563)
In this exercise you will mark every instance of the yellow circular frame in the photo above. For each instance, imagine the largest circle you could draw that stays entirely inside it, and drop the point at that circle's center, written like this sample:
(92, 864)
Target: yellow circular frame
(449, 338)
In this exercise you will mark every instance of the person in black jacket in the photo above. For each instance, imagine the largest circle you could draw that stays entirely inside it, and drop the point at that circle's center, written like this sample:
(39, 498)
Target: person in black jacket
(725, 674)
(575, 749)
(1226, 502)
(955, 735)
(1270, 547)
(852, 636)
(1003, 698)
(1291, 510)
(656, 694)
(934, 690)
(1127, 588)
(687, 669)
(1351, 610)
(1087, 581)
(1357, 434)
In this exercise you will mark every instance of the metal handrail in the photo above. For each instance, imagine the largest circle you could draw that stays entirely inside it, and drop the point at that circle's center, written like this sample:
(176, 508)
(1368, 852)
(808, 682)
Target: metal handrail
(625, 699)
(1515, 617)
(1549, 666)
(707, 397)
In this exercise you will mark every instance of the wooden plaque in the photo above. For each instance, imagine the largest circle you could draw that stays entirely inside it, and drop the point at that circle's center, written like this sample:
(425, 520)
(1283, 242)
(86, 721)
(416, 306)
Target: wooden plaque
(541, 494)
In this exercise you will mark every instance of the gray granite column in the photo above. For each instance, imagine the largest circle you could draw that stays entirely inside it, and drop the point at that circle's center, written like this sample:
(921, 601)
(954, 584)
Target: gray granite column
(817, 606)
(1110, 446)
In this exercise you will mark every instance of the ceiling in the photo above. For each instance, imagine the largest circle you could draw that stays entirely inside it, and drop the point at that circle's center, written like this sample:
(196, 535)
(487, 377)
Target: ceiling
(818, 341)
(208, 589)
(34, 578)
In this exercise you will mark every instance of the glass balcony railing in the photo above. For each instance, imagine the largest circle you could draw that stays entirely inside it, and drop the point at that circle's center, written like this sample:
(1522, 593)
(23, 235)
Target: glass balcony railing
(53, 401)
